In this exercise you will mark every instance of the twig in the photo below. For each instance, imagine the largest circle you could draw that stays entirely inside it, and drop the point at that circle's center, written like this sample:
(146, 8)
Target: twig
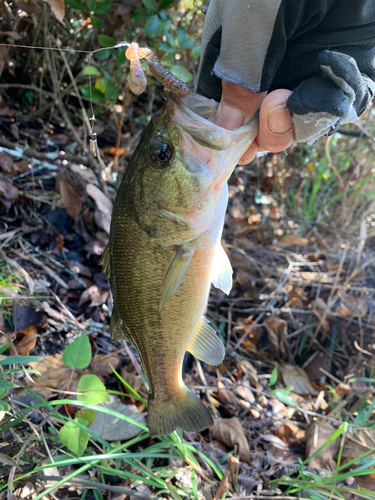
(45, 268)
(94, 485)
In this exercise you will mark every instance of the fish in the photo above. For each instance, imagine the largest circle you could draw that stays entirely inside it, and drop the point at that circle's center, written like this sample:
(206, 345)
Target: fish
(165, 249)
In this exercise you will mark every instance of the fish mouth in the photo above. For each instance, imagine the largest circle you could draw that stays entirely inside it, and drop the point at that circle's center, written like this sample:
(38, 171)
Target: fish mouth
(196, 115)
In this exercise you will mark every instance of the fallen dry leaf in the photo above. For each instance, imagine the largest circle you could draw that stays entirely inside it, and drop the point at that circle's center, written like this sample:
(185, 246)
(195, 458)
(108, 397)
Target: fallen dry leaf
(101, 364)
(70, 195)
(58, 8)
(316, 436)
(226, 396)
(104, 204)
(27, 6)
(26, 340)
(248, 369)
(353, 306)
(112, 428)
(7, 165)
(11, 34)
(223, 486)
(245, 392)
(54, 375)
(291, 240)
(359, 442)
(134, 380)
(297, 377)
(277, 332)
(95, 294)
(229, 431)
(290, 433)
(7, 190)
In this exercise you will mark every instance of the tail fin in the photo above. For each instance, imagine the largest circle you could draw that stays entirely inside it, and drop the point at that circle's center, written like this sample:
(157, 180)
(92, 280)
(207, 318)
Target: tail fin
(187, 412)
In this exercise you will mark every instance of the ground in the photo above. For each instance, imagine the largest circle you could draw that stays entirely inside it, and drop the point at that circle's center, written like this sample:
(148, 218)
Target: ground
(293, 400)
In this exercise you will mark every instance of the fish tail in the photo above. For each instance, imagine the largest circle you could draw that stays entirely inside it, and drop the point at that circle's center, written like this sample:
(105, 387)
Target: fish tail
(186, 412)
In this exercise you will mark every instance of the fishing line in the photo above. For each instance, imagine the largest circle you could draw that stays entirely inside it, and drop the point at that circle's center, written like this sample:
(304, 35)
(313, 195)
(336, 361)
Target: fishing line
(93, 136)
(66, 49)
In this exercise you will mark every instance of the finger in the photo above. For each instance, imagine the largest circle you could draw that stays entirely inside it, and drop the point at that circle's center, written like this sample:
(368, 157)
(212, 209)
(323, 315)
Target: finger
(276, 131)
(237, 106)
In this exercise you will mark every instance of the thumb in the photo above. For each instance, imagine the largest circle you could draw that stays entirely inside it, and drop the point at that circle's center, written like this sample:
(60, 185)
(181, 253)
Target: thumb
(237, 106)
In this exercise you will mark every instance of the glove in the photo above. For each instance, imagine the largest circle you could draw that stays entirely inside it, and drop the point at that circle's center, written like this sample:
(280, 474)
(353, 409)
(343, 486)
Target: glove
(263, 45)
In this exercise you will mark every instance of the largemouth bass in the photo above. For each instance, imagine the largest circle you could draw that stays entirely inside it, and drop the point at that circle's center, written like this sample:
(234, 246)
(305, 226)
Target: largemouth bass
(165, 250)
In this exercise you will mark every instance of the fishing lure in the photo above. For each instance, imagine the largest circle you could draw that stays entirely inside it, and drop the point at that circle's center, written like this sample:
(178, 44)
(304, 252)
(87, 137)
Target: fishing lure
(137, 77)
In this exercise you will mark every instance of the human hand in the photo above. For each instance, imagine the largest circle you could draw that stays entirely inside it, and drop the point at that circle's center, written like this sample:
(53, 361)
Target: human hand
(266, 47)
(239, 105)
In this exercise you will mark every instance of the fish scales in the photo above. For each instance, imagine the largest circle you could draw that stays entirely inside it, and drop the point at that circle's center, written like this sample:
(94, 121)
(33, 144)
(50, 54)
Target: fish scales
(165, 249)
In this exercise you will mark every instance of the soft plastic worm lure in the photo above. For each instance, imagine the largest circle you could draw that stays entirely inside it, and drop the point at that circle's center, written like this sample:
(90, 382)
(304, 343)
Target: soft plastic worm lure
(137, 78)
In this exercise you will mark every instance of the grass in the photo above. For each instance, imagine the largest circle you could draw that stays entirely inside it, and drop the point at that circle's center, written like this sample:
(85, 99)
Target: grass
(152, 466)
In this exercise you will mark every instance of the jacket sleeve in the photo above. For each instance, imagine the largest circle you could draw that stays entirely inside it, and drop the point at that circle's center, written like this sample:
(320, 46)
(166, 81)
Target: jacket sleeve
(322, 50)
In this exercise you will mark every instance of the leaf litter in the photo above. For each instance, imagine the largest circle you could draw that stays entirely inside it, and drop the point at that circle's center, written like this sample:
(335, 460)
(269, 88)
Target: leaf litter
(303, 301)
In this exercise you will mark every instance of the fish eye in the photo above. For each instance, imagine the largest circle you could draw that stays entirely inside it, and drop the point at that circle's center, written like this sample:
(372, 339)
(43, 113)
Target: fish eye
(161, 153)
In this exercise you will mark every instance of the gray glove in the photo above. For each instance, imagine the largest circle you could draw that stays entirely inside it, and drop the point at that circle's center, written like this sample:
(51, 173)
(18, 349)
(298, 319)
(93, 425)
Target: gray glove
(263, 45)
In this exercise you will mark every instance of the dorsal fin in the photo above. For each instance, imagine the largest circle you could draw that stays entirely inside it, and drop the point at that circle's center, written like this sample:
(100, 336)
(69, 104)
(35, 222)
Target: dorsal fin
(222, 270)
(206, 345)
(105, 261)
(175, 275)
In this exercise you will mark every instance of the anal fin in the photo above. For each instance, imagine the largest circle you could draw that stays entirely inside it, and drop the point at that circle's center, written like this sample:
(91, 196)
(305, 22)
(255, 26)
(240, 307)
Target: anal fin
(222, 270)
(118, 329)
(105, 261)
(175, 275)
(206, 345)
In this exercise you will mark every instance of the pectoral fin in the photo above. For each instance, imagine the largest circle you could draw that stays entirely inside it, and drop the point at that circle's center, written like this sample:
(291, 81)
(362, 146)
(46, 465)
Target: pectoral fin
(175, 275)
(105, 261)
(222, 270)
(206, 345)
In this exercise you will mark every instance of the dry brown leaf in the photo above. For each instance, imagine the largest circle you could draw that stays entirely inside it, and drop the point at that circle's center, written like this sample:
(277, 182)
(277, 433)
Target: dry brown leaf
(226, 396)
(134, 380)
(229, 431)
(7, 165)
(95, 294)
(359, 442)
(291, 240)
(7, 190)
(27, 6)
(3, 57)
(245, 392)
(54, 375)
(249, 370)
(113, 428)
(70, 195)
(290, 433)
(277, 332)
(223, 486)
(297, 377)
(26, 341)
(353, 306)
(103, 203)
(11, 34)
(316, 436)
(101, 364)
(58, 8)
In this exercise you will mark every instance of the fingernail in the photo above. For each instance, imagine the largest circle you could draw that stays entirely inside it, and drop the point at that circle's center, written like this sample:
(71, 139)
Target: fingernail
(279, 120)
(230, 117)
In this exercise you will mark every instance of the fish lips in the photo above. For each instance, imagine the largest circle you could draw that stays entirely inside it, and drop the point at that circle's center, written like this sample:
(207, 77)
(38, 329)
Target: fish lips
(195, 114)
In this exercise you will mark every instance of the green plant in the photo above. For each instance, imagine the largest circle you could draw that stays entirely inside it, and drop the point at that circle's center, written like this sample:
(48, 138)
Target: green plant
(152, 466)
